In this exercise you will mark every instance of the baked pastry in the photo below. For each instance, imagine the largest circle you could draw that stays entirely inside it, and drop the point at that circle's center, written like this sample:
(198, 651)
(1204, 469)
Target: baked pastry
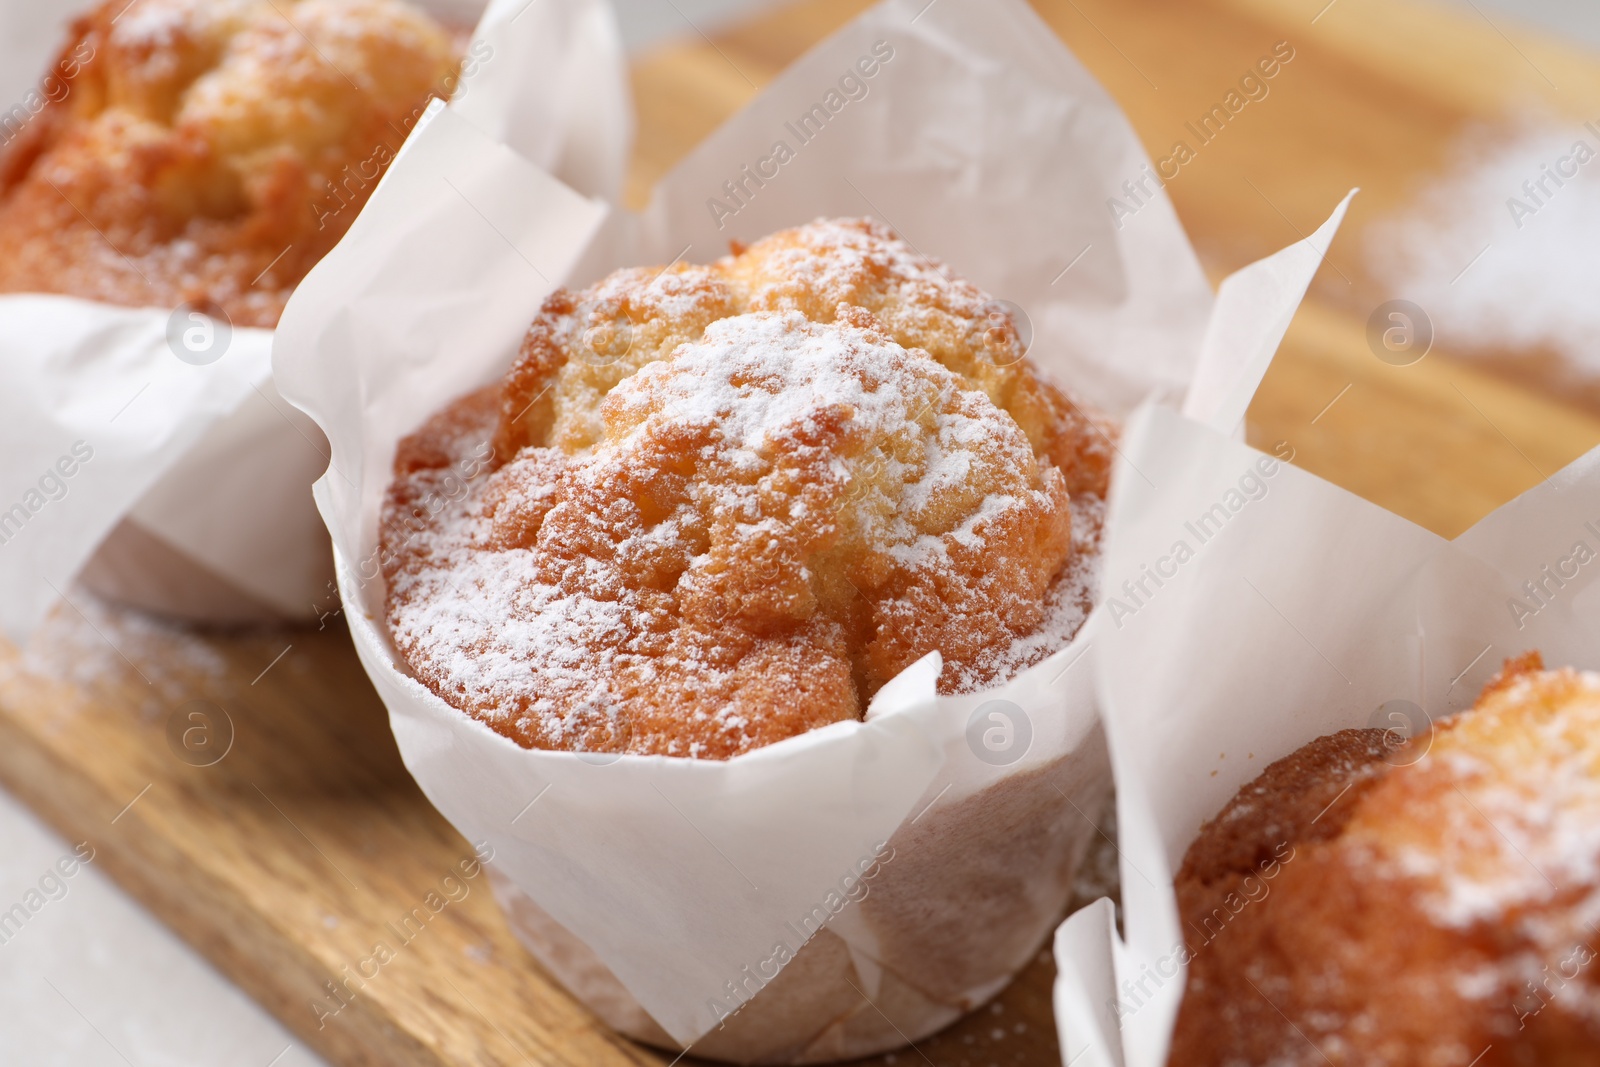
(210, 151)
(1347, 909)
(711, 507)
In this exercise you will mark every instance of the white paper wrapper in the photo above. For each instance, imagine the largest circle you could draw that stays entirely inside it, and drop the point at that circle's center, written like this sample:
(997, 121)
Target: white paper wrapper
(198, 475)
(1301, 616)
(667, 892)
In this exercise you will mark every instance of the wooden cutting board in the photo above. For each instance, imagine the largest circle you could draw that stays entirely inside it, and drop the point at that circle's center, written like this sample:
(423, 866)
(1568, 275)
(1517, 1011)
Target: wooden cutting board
(284, 861)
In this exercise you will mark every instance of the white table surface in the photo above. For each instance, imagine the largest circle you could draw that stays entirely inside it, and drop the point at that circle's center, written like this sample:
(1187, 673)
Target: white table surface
(92, 980)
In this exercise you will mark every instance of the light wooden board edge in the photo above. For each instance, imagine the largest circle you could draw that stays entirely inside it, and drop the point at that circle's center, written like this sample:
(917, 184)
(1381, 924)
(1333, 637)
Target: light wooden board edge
(264, 862)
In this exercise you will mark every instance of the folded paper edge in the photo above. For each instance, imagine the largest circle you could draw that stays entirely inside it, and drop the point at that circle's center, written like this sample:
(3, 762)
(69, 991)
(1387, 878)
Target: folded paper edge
(1240, 341)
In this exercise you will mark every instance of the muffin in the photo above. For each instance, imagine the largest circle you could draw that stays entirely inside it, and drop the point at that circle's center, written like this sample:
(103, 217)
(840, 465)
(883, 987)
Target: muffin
(206, 154)
(712, 507)
(1347, 907)
(210, 152)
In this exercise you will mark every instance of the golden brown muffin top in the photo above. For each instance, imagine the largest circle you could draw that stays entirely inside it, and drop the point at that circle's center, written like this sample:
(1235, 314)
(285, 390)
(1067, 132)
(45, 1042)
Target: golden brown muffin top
(210, 151)
(729, 502)
(1346, 909)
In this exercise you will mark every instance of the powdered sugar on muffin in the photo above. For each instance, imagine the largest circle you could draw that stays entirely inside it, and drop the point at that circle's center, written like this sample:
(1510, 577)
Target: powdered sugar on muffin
(212, 150)
(715, 527)
(1443, 910)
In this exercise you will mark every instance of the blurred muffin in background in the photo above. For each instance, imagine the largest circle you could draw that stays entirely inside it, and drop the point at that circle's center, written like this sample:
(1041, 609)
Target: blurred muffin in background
(211, 151)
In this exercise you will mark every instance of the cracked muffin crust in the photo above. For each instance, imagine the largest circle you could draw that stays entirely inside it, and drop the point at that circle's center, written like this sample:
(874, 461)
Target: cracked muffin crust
(711, 507)
(211, 151)
(1346, 908)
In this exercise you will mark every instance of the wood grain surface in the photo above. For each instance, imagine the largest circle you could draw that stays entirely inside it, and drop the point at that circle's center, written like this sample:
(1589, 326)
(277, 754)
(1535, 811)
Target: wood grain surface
(287, 859)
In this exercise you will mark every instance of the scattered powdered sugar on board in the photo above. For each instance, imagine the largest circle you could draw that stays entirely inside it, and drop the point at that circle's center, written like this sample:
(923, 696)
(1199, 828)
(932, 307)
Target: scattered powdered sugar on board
(94, 648)
(1502, 251)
